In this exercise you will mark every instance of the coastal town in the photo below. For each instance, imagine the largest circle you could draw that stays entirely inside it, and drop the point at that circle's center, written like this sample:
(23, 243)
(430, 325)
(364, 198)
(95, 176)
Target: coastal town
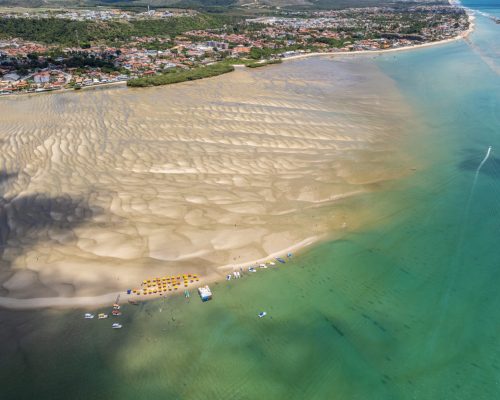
(35, 66)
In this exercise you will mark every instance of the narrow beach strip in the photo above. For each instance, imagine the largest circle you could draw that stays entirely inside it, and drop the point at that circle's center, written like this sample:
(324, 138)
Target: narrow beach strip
(109, 298)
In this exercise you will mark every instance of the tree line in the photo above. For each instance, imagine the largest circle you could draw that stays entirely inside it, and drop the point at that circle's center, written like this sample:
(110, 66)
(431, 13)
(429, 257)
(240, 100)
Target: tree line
(83, 33)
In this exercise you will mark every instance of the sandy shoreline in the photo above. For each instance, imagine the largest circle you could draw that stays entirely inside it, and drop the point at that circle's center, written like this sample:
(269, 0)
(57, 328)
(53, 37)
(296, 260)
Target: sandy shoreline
(137, 188)
(92, 302)
(115, 187)
(463, 35)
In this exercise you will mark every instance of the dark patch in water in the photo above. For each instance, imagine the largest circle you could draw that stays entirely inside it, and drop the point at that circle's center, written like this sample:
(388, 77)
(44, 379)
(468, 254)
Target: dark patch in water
(374, 322)
(379, 326)
(337, 329)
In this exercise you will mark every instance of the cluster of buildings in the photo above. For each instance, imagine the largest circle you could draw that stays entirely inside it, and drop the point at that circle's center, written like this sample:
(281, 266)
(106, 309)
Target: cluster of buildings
(419, 23)
(96, 15)
(20, 48)
(29, 66)
(42, 80)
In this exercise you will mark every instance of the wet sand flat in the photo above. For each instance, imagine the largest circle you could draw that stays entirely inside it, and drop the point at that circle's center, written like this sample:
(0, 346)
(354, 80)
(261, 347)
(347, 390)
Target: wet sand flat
(101, 189)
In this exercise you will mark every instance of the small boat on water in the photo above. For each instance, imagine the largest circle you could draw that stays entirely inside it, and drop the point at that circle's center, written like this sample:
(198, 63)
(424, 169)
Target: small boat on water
(116, 307)
(263, 265)
(116, 325)
(205, 293)
(102, 316)
(88, 316)
(236, 274)
(262, 314)
(252, 269)
(116, 313)
(272, 263)
(228, 277)
(280, 260)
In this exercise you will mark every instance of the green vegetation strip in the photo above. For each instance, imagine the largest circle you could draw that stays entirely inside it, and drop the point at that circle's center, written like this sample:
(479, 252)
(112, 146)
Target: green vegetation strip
(177, 76)
(83, 33)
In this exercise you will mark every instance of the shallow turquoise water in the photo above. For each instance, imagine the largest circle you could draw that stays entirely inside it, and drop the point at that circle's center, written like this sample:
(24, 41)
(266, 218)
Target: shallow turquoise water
(406, 309)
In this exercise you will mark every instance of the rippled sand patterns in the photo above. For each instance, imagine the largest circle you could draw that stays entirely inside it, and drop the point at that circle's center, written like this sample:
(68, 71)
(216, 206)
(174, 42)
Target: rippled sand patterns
(103, 188)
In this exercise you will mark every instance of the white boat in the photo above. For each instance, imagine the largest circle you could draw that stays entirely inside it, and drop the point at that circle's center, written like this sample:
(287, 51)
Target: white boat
(263, 265)
(205, 293)
(116, 325)
(262, 314)
(272, 263)
(102, 316)
(228, 278)
(89, 316)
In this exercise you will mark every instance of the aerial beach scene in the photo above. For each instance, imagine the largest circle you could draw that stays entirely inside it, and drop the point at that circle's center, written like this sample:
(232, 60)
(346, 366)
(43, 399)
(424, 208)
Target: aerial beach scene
(323, 226)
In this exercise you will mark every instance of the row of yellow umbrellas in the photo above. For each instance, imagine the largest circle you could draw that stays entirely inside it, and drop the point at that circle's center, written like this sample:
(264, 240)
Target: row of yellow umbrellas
(163, 284)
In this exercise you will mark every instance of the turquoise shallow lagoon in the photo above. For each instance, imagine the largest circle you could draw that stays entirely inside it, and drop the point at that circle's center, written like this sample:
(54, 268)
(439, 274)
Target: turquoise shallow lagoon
(404, 309)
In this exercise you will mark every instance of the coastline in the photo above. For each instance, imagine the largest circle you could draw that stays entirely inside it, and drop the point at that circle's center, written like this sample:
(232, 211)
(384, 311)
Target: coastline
(107, 298)
(462, 35)
(65, 90)
(60, 302)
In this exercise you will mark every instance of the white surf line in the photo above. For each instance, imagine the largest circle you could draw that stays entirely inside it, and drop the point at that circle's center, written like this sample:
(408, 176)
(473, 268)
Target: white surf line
(481, 166)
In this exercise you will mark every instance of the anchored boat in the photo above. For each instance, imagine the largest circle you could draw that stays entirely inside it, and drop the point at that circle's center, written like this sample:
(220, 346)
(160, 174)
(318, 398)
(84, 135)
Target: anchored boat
(205, 293)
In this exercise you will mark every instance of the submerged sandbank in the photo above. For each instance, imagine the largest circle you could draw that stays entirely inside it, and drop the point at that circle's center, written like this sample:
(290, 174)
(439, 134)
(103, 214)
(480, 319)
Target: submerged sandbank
(102, 189)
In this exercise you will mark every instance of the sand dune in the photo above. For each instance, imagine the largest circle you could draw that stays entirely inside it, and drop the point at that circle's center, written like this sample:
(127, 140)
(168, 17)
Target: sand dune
(101, 189)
